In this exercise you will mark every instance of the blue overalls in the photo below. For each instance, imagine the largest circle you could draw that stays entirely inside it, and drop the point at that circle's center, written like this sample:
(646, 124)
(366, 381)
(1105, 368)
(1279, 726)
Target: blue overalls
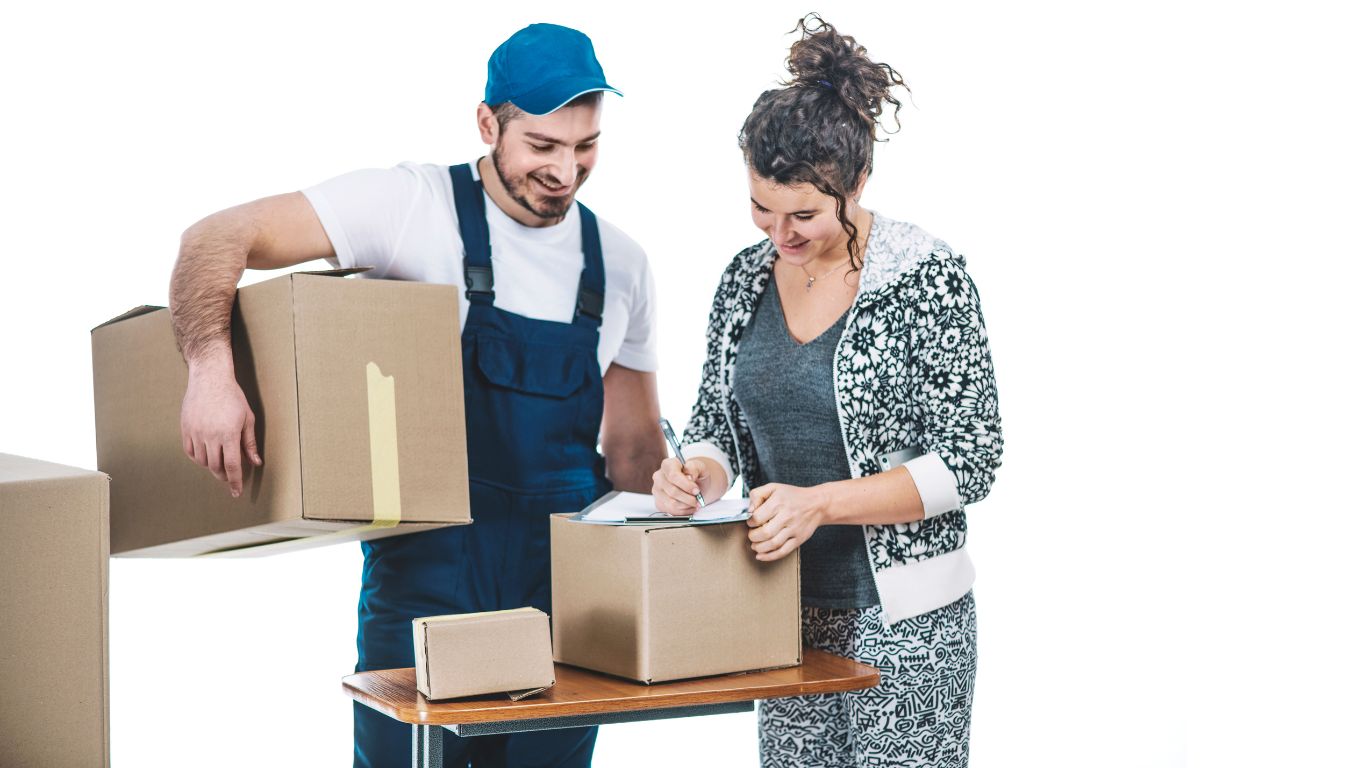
(533, 406)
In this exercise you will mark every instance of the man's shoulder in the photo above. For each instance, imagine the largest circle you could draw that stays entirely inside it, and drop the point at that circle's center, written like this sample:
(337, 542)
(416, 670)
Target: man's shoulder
(619, 248)
(435, 179)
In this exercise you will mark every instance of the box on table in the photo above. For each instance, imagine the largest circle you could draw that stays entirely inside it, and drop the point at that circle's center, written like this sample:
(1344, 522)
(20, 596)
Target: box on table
(471, 654)
(54, 609)
(359, 402)
(655, 603)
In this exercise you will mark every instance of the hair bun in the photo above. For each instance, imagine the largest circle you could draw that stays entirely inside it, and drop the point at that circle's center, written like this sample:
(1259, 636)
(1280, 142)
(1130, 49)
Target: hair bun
(823, 58)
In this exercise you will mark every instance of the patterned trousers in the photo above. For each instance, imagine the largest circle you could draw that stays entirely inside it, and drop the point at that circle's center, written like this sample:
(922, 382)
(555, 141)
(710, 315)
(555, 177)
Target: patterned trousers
(917, 716)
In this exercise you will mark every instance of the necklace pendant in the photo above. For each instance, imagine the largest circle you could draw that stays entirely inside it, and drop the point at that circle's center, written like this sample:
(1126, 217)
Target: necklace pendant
(809, 282)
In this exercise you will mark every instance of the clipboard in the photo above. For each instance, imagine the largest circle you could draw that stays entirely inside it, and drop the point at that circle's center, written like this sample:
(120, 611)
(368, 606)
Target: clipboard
(734, 511)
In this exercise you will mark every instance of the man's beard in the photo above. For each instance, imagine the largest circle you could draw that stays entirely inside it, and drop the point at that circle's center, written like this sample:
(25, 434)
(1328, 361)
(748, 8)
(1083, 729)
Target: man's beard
(519, 189)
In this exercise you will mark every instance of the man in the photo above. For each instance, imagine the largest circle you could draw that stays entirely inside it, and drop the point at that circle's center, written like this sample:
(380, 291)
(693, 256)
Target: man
(558, 344)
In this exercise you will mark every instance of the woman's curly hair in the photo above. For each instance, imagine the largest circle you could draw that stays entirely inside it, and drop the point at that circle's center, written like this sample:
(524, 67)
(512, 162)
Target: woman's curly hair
(820, 128)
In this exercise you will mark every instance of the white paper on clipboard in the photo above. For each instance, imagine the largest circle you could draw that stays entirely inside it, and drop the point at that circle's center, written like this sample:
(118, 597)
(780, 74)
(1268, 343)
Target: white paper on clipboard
(614, 508)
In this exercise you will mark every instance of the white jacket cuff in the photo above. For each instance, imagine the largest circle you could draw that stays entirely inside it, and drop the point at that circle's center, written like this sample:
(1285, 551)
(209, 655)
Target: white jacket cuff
(937, 485)
(705, 450)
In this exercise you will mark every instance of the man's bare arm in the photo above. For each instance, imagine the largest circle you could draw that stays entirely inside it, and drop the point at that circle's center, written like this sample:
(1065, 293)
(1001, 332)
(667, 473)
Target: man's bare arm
(216, 423)
(631, 439)
(269, 233)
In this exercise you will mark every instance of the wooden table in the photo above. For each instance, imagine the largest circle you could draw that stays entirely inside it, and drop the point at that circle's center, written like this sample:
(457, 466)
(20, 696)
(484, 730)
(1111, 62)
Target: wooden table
(581, 698)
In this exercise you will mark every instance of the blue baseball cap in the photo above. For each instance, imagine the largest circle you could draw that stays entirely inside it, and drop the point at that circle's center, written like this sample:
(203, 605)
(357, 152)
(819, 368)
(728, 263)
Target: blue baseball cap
(542, 68)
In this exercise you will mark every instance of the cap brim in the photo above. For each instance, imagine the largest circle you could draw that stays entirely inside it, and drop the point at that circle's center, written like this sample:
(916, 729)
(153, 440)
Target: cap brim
(552, 96)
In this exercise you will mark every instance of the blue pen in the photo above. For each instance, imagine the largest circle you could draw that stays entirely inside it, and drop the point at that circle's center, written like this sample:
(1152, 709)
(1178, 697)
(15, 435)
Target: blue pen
(678, 453)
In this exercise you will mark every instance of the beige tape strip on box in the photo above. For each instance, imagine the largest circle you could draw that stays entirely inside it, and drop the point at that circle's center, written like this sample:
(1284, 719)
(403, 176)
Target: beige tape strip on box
(383, 448)
(383, 418)
(383, 456)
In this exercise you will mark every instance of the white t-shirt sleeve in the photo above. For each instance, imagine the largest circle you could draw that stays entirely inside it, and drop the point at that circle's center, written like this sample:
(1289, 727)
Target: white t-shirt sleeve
(364, 214)
(638, 345)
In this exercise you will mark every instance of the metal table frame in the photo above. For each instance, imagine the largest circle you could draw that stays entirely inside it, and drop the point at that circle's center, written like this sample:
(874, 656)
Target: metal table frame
(427, 746)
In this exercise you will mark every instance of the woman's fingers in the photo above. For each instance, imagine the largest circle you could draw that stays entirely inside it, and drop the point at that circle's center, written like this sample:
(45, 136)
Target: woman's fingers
(760, 511)
(696, 469)
(669, 497)
(673, 490)
(772, 541)
(673, 507)
(770, 530)
(786, 549)
(675, 474)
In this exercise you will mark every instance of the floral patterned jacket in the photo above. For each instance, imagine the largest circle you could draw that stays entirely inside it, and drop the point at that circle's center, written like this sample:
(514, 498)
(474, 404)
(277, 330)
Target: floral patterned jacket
(914, 385)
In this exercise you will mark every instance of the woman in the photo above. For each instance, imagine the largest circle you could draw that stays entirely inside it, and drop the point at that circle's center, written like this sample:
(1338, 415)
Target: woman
(849, 383)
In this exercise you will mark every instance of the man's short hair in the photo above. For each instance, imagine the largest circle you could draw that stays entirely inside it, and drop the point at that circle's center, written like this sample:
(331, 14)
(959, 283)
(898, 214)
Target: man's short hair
(507, 111)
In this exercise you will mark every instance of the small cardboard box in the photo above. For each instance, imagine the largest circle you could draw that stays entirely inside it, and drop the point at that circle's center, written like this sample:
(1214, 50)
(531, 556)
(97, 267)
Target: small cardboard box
(656, 603)
(471, 654)
(359, 402)
(54, 609)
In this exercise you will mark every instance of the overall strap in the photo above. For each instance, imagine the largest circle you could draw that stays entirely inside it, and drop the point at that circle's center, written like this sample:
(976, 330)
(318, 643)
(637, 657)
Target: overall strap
(593, 281)
(474, 232)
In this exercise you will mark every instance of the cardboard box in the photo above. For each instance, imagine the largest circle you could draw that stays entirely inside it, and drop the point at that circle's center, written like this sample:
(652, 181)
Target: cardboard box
(656, 603)
(359, 402)
(471, 654)
(54, 608)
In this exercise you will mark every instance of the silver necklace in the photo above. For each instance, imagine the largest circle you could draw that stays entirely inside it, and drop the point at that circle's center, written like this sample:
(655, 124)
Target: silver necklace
(811, 279)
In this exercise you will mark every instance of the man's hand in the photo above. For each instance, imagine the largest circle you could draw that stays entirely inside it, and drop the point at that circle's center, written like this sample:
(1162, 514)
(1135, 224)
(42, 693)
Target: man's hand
(783, 517)
(217, 426)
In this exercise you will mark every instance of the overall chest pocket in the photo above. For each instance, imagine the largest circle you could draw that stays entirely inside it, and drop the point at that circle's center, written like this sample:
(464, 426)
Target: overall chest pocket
(544, 370)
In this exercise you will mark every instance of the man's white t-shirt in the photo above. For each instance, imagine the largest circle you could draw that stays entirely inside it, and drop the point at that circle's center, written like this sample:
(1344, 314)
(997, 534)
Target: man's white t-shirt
(402, 222)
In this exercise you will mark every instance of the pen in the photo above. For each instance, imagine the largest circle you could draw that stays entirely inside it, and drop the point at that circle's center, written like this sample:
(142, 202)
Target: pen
(678, 453)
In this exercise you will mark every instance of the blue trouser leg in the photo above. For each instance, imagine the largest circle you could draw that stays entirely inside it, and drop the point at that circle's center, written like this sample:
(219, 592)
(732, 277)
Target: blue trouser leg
(500, 562)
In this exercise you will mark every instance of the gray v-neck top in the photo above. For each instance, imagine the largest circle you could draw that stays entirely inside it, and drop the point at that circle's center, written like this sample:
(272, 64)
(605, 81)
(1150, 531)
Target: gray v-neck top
(787, 393)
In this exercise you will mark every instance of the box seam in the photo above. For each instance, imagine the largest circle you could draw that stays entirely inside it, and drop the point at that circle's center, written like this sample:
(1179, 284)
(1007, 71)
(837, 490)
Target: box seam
(643, 662)
(298, 398)
(104, 606)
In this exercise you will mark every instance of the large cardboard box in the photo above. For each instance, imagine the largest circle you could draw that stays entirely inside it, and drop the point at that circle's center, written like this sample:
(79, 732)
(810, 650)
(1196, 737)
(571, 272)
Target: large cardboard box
(471, 654)
(54, 608)
(656, 603)
(359, 402)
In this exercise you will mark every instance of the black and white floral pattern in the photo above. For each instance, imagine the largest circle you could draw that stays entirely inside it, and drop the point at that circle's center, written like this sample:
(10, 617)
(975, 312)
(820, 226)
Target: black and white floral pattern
(918, 715)
(912, 369)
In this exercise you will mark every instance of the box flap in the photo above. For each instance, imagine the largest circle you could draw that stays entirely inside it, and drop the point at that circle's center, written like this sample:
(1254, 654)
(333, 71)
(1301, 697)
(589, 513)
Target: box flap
(475, 618)
(519, 695)
(20, 469)
(145, 308)
(134, 312)
(334, 272)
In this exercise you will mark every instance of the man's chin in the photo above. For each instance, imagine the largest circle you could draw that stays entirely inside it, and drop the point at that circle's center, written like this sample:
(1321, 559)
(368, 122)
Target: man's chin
(551, 208)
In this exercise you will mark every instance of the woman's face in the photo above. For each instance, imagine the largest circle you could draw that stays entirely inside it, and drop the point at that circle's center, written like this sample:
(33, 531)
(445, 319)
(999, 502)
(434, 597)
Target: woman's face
(800, 220)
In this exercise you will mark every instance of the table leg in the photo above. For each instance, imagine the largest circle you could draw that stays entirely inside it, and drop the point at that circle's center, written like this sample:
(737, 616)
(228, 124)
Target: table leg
(427, 746)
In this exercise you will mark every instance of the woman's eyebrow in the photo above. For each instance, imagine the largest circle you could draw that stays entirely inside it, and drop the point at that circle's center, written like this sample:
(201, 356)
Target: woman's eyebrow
(802, 212)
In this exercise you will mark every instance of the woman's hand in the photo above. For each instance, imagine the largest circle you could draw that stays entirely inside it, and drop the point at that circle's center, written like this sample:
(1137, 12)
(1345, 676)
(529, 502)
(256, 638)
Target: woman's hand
(783, 517)
(676, 485)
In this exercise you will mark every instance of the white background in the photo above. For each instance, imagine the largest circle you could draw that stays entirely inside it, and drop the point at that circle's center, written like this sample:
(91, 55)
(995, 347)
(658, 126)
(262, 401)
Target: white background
(1159, 203)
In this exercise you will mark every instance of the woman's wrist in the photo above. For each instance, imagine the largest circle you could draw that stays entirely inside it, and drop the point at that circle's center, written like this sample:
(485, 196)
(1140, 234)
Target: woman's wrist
(827, 495)
(713, 485)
